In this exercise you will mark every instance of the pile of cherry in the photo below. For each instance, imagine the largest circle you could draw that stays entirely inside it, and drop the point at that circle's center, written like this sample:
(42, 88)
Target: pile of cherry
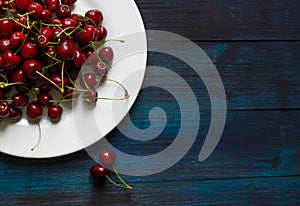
(43, 45)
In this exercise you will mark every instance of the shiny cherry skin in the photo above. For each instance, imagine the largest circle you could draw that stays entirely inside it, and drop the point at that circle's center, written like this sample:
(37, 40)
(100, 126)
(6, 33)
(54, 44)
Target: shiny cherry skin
(89, 35)
(17, 39)
(34, 110)
(46, 16)
(95, 15)
(89, 80)
(66, 49)
(63, 11)
(17, 76)
(57, 79)
(4, 109)
(10, 60)
(30, 67)
(7, 28)
(106, 54)
(5, 45)
(55, 113)
(79, 58)
(20, 100)
(98, 172)
(34, 6)
(41, 41)
(28, 51)
(107, 157)
(100, 69)
(68, 22)
(52, 5)
(44, 99)
(22, 4)
(101, 33)
(15, 113)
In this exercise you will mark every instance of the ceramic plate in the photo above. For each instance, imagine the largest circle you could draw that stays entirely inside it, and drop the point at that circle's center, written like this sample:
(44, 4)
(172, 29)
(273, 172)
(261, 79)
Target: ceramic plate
(124, 22)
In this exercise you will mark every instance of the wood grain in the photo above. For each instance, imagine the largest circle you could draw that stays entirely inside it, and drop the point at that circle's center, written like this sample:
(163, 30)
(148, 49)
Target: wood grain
(224, 20)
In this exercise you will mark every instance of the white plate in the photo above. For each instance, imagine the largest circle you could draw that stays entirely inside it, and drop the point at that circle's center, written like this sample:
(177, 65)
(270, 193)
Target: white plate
(123, 21)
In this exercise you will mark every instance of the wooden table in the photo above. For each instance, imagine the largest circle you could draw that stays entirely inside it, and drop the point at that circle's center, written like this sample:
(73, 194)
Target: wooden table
(256, 49)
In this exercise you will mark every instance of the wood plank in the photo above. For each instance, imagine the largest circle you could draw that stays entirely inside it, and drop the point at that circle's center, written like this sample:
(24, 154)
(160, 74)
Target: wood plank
(221, 20)
(260, 191)
(256, 75)
(254, 144)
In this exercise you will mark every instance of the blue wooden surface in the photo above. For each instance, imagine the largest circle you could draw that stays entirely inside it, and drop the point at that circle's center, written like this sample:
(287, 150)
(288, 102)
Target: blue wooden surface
(256, 49)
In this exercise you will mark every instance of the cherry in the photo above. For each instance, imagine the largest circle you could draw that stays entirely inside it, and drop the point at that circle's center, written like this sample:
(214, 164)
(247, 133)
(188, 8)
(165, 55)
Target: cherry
(2, 3)
(5, 45)
(63, 11)
(7, 28)
(20, 20)
(69, 22)
(17, 76)
(15, 113)
(55, 21)
(20, 100)
(91, 96)
(95, 15)
(101, 33)
(100, 69)
(16, 39)
(57, 79)
(107, 157)
(44, 99)
(89, 35)
(34, 110)
(55, 112)
(91, 57)
(30, 67)
(41, 41)
(106, 54)
(66, 49)
(4, 109)
(10, 60)
(22, 4)
(47, 32)
(89, 80)
(45, 87)
(46, 16)
(55, 32)
(52, 5)
(68, 1)
(36, 7)
(79, 58)
(98, 172)
(28, 51)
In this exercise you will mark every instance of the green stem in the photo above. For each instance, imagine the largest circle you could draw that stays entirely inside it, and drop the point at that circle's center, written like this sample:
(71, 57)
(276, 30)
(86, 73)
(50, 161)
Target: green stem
(40, 136)
(115, 170)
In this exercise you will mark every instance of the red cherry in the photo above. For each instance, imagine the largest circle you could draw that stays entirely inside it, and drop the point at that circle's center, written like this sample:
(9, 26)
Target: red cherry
(55, 113)
(22, 4)
(63, 11)
(91, 96)
(10, 60)
(7, 28)
(17, 76)
(57, 79)
(34, 6)
(89, 79)
(41, 41)
(47, 32)
(30, 67)
(91, 57)
(79, 58)
(95, 15)
(100, 69)
(68, 1)
(52, 5)
(44, 99)
(28, 51)
(20, 100)
(4, 109)
(16, 39)
(66, 49)
(98, 172)
(106, 54)
(5, 45)
(68, 22)
(101, 33)
(89, 34)
(46, 16)
(107, 156)
(34, 110)
(21, 20)
(15, 113)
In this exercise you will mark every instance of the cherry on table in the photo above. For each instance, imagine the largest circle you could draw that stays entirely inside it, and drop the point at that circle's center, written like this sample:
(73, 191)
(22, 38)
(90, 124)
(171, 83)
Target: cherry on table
(4, 109)
(107, 157)
(98, 172)
(45, 99)
(15, 113)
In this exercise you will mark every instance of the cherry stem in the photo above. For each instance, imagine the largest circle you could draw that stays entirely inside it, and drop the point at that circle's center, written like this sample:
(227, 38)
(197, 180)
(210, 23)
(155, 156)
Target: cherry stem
(21, 46)
(116, 184)
(116, 171)
(62, 76)
(4, 84)
(118, 83)
(40, 136)
(42, 75)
